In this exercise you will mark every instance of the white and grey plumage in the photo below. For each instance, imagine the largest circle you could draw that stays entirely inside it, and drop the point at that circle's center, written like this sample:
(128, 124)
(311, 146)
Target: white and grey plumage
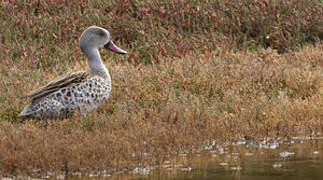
(79, 91)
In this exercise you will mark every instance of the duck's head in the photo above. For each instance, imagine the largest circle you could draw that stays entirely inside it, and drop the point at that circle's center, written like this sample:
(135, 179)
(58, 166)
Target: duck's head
(97, 37)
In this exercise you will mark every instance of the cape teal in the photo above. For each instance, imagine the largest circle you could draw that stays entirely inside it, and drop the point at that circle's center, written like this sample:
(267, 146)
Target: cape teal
(80, 91)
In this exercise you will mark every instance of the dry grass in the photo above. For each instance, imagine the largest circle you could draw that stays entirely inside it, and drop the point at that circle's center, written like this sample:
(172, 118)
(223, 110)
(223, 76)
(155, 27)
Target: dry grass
(162, 101)
(162, 109)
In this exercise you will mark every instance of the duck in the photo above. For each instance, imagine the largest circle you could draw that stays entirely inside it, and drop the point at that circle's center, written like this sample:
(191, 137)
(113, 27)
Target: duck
(77, 92)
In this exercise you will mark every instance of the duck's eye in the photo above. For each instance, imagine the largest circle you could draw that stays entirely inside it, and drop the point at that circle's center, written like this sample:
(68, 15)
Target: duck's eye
(101, 34)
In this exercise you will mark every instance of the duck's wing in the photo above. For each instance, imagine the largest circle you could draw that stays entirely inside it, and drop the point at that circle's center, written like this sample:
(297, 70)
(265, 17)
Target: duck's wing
(60, 82)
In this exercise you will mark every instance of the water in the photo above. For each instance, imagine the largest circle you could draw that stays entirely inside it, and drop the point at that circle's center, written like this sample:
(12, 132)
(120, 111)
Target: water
(271, 158)
(297, 159)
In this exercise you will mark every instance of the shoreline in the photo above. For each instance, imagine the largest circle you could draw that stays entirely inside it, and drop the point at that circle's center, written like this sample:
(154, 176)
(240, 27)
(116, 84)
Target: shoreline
(226, 155)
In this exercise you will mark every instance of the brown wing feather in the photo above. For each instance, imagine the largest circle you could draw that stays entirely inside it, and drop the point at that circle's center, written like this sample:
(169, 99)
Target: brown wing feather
(60, 82)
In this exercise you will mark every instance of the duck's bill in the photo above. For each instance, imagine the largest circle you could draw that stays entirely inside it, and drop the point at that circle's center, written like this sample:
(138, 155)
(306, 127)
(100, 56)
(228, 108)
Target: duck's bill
(112, 47)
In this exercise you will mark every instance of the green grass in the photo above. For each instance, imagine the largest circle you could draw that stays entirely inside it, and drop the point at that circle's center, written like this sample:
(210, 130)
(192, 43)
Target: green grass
(153, 29)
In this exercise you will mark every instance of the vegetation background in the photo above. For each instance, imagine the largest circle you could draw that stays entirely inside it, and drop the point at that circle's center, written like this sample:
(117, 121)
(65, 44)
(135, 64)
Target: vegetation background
(196, 71)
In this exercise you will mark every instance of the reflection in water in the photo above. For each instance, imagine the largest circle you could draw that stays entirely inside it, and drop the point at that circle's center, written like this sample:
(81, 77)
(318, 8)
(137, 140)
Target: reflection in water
(274, 159)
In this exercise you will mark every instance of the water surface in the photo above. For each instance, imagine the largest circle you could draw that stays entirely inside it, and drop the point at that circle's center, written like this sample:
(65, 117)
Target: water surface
(271, 158)
(297, 159)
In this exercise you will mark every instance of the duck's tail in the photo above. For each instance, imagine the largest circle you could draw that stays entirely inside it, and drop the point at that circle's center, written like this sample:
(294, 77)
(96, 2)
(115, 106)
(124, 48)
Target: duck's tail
(26, 113)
